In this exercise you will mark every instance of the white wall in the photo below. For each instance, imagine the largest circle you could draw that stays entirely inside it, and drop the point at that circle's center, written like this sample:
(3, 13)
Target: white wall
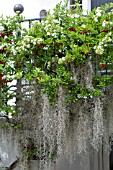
(31, 7)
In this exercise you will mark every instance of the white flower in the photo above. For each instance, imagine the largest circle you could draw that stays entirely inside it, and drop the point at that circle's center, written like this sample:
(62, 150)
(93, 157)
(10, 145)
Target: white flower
(54, 35)
(98, 12)
(101, 43)
(5, 36)
(2, 46)
(74, 16)
(110, 33)
(48, 33)
(109, 39)
(56, 21)
(10, 115)
(39, 40)
(99, 49)
(95, 19)
(34, 42)
(28, 46)
(23, 43)
(111, 23)
(104, 23)
(46, 48)
(98, 9)
(61, 60)
(49, 25)
(1, 28)
(83, 26)
(37, 70)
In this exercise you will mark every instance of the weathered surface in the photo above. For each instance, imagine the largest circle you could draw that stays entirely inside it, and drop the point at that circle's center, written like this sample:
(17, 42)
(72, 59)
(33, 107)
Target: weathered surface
(59, 133)
(8, 145)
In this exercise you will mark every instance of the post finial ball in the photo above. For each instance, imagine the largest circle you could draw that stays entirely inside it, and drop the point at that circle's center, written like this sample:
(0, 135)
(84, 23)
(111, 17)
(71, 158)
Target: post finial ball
(18, 8)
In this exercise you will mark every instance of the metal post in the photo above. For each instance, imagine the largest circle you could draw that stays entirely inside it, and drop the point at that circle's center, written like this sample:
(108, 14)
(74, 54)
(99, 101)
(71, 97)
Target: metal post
(18, 8)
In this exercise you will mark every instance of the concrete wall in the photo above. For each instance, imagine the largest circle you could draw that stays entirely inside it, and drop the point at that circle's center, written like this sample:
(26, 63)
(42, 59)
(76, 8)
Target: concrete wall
(8, 145)
(91, 161)
(10, 149)
(9, 153)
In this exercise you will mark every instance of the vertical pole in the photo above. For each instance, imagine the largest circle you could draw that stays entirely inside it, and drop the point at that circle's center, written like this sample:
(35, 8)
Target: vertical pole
(29, 23)
(18, 90)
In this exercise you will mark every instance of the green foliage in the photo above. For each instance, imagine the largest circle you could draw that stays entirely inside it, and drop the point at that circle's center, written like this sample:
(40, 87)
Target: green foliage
(6, 126)
(31, 153)
(17, 126)
(50, 50)
(52, 155)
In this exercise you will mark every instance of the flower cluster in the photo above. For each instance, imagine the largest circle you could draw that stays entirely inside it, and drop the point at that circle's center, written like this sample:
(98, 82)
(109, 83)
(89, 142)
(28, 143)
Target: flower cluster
(105, 41)
(8, 31)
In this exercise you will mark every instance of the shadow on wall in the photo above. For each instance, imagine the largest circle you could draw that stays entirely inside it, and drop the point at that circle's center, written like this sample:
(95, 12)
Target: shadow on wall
(111, 157)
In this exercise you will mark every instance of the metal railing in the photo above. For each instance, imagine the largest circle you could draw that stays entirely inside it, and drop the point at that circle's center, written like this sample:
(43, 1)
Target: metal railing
(31, 20)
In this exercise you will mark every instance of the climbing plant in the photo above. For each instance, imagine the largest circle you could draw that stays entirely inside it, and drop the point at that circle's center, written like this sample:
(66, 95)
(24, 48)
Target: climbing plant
(52, 51)
(9, 29)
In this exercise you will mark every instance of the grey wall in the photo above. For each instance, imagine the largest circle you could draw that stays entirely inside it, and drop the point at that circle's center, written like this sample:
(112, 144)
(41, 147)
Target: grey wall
(8, 146)
(91, 161)
(9, 152)
(97, 3)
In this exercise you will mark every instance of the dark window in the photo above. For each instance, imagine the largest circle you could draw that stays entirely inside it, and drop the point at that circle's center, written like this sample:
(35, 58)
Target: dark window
(72, 2)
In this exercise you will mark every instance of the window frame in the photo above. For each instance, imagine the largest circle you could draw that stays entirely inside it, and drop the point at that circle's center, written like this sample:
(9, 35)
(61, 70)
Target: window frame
(86, 5)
